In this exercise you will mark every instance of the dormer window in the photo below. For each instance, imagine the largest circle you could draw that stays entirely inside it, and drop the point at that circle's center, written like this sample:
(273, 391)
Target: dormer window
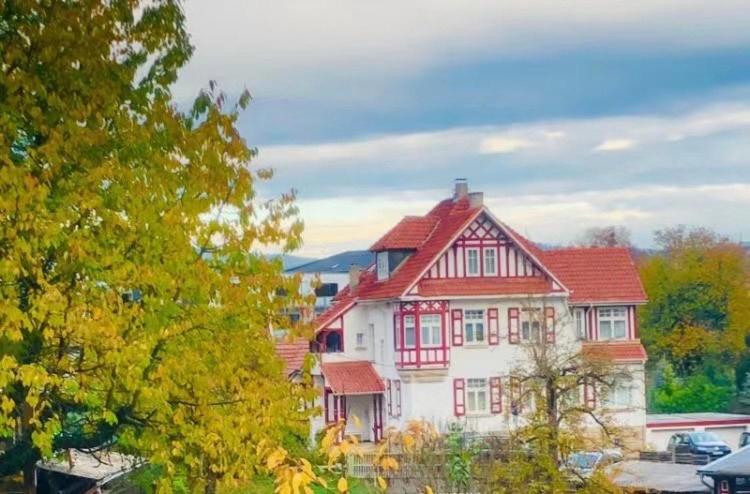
(382, 261)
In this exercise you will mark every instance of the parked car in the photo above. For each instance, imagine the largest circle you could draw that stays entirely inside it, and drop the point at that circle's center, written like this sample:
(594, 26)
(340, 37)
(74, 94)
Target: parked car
(583, 463)
(698, 443)
(744, 439)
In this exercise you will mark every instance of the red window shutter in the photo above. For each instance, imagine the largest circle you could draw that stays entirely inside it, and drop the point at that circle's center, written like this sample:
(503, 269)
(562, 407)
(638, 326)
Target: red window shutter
(549, 323)
(398, 397)
(515, 395)
(389, 389)
(342, 404)
(458, 327)
(496, 395)
(459, 397)
(494, 327)
(396, 331)
(589, 395)
(513, 324)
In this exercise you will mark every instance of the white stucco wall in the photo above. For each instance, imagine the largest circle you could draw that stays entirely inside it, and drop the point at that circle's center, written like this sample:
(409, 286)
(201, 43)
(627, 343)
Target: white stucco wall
(428, 394)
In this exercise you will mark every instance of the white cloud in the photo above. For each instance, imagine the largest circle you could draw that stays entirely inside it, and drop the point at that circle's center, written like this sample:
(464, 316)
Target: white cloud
(351, 222)
(269, 45)
(501, 145)
(615, 145)
(572, 140)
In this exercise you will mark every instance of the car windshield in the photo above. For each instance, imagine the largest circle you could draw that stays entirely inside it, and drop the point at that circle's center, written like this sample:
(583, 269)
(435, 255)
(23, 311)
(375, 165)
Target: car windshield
(703, 437)
(584, 460)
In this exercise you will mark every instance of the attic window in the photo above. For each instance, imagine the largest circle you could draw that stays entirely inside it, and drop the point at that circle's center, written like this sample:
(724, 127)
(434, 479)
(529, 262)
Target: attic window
(382, 260)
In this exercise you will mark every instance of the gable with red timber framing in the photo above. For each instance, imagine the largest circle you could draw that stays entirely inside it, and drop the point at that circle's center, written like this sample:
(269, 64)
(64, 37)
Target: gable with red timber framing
(484, 246)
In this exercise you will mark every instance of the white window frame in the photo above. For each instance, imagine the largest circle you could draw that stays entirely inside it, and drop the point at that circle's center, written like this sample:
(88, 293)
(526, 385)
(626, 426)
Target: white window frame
(434, 331)
(477, 271)
(607, 315)
(382, 265)
(470, 321)
(476, 387)
(413, 327)
(620, 395)
(529, 319)
(360, 341)
(579, 317)
(485, 257)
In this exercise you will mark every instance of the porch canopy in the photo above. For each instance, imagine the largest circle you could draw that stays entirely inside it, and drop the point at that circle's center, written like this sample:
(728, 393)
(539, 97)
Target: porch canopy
(352, 378)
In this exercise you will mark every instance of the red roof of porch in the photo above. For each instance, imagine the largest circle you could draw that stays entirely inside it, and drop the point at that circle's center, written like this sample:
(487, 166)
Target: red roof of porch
(352, 378)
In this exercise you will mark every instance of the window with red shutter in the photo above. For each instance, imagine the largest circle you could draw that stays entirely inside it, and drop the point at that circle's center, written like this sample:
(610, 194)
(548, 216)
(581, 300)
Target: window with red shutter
(494, 327)
(549, 323)
(496, 395)
(458, 327)
(513, 324)
(389, 390)
(459, 397)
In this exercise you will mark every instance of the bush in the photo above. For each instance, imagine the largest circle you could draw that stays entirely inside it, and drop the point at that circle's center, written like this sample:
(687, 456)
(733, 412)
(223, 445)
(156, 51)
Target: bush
(696, 393)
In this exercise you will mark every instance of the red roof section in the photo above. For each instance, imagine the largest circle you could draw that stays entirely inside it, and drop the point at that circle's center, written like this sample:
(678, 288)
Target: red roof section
(485, 286)
(596, 274)
(293, 354)
(617, 351)
(352, 378)
(409, 233)
(451, 218)
(592, 275)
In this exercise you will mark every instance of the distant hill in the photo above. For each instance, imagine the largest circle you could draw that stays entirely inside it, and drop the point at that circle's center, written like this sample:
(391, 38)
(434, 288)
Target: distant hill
(291, 262)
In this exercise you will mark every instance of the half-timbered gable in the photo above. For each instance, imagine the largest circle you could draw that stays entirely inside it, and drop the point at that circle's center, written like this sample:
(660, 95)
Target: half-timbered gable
(484, 250)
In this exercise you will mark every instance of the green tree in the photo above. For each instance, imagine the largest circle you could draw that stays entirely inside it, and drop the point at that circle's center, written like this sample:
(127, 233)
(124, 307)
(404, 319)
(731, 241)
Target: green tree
(132, 307)
(698, 314)
(695, 393)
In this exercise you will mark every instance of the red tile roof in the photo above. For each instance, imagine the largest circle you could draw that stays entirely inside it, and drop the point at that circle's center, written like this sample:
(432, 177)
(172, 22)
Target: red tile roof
(352, 378)
(409, 233)
(592, 275)
(617, 351)
(293, 354)
(451, 219)
(484, 286)
(597, 274)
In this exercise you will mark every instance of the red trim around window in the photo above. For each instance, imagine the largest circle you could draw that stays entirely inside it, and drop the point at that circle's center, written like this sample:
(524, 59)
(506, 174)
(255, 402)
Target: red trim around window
(496, 395)
(493, 331)
(458, 326)
(459, 397)
(513, 325)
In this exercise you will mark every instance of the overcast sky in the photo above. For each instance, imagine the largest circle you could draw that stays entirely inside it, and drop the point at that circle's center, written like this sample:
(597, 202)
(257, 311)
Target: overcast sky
(566, 114)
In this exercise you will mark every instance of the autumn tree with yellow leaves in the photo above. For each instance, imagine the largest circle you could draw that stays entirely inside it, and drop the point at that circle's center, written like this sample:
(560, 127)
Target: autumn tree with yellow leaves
(134, 311)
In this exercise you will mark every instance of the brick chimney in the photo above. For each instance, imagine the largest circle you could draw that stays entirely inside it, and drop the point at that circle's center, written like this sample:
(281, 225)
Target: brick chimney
(476, 199)
(354, 273)
(461, 189)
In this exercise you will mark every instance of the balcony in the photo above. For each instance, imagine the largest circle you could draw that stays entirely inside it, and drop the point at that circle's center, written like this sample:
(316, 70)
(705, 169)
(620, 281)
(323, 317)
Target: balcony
(423, 358)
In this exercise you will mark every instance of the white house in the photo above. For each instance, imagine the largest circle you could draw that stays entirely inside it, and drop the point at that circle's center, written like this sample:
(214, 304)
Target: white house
(436, 326)
(327, 276)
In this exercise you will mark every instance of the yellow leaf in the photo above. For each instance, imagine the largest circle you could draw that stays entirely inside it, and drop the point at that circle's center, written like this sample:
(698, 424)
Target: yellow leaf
(382, 483)
(427, 489)
(276, 458)
(343, 485)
